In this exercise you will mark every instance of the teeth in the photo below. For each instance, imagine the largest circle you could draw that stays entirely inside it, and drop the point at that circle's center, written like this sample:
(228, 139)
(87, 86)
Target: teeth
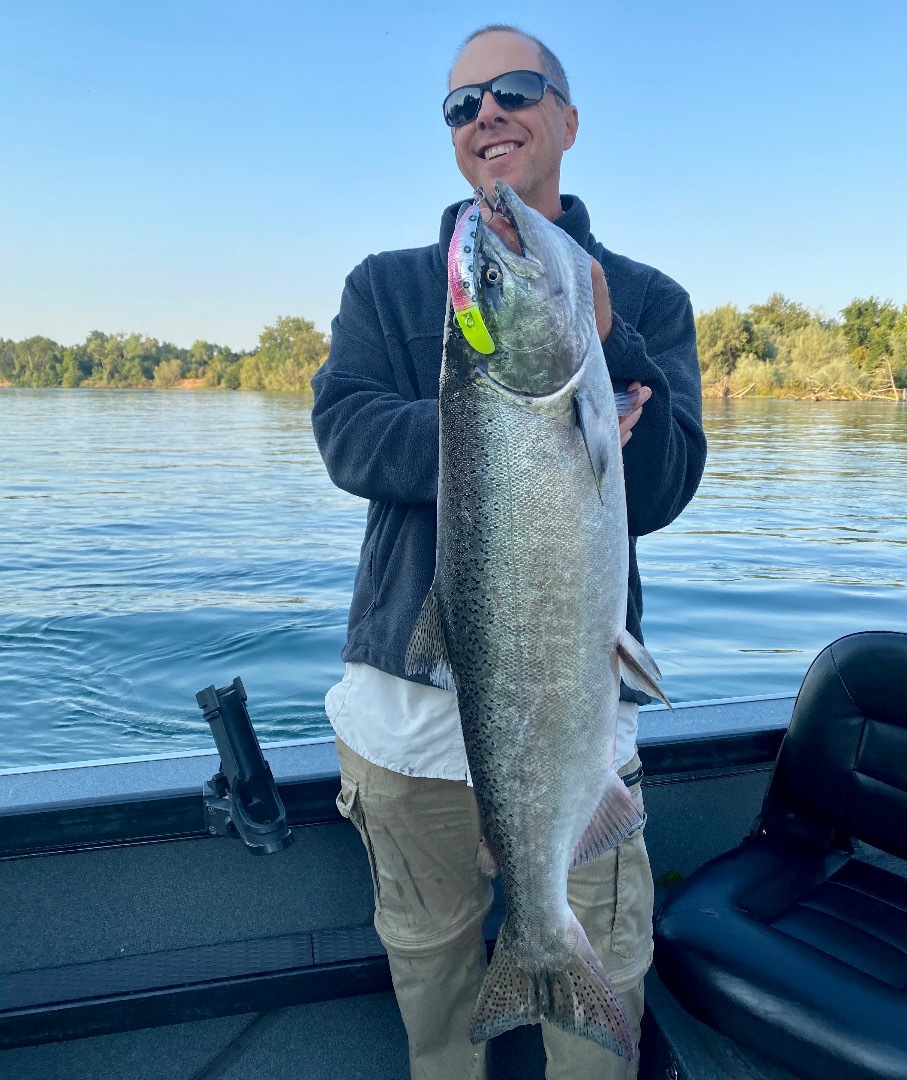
(497, 151)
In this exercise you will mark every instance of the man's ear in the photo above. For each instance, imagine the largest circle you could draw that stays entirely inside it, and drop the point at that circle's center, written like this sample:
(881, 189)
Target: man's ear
(571, 125)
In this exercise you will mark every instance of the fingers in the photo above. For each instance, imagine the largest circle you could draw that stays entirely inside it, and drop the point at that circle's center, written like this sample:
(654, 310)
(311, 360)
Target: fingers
(601, 300)
(625, 433)
(628, 422)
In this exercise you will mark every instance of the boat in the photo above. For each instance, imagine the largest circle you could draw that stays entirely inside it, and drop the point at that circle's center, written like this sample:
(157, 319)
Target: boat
(141, 940)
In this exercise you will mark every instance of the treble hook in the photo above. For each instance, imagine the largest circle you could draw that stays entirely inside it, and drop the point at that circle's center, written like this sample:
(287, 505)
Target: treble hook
(480, 197)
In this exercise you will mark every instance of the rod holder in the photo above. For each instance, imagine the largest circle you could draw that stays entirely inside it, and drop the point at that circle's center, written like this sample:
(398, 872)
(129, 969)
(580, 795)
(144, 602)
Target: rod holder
(241, 799)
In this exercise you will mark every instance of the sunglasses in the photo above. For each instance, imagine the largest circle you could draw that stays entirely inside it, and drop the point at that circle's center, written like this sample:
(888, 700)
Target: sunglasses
(512, 90)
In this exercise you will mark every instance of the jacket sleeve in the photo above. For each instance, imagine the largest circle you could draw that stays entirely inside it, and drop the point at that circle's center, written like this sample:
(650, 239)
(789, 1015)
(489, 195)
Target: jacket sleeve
(665, 458)
(377, 436)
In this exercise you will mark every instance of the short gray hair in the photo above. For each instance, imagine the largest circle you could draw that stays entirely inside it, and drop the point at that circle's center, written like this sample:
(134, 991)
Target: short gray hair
(550, 65)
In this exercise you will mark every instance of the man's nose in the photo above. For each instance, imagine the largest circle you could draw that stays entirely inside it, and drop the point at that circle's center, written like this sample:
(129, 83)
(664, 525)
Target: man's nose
(489, 111)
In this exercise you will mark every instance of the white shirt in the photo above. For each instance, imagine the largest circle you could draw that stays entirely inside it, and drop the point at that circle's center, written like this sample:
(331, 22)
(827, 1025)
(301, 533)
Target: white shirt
(414, 729)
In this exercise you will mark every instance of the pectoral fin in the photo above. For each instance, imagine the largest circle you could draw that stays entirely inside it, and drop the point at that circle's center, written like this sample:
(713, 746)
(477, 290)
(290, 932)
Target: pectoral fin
(637, 668)
(427, 650)
(626, 401)
(594, 430)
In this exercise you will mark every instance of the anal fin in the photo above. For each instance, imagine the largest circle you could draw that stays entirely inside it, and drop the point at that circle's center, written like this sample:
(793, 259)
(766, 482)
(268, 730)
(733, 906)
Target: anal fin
(615, 818)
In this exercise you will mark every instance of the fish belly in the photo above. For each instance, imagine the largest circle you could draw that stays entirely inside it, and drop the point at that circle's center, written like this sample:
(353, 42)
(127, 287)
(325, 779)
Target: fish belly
(532, 574)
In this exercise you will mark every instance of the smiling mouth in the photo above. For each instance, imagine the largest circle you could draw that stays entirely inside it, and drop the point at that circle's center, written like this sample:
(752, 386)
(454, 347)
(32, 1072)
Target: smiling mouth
(499, 151)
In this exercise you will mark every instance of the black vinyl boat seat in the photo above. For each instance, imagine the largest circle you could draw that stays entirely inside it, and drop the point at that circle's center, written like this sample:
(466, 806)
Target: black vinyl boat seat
(790, 945)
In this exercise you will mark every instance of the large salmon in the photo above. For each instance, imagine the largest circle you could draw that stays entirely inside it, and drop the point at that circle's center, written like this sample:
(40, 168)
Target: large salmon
(525, 617)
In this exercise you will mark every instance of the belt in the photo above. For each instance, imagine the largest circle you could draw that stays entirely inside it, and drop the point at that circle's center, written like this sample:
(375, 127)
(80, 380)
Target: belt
(634, 777)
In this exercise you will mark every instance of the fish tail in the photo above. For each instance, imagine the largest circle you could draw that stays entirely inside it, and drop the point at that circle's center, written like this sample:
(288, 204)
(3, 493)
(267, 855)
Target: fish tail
(577, 997)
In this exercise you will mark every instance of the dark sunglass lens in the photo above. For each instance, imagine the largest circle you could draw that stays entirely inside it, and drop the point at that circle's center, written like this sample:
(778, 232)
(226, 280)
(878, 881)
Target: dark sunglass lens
(462, 105)
(517, 89)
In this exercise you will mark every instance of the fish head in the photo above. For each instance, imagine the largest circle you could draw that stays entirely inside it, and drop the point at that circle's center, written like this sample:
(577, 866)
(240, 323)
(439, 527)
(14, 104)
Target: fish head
(528, 315)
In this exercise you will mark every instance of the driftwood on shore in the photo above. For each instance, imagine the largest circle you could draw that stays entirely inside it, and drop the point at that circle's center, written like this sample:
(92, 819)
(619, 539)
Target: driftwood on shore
(879, 385)
(743, 392)
(839, 391)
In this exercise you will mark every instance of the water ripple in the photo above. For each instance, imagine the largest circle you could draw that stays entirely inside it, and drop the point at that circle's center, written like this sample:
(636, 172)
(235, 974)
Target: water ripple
(157, 542)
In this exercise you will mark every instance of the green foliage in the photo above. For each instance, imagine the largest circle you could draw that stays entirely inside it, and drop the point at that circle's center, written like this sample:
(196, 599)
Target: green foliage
(778, 348)
(778, 315)
(782, 349)
(168, 373)
(36, 361)
(7, 360)
(222, 371)
(726, 338)
(288, 355)
(898, 355)
(867, 329)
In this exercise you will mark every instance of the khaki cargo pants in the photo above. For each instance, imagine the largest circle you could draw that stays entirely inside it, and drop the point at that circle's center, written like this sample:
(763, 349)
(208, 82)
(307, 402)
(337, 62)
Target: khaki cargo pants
(421, 837)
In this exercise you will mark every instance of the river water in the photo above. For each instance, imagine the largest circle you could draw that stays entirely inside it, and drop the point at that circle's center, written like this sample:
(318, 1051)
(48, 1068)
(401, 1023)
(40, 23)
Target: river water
(155, 542)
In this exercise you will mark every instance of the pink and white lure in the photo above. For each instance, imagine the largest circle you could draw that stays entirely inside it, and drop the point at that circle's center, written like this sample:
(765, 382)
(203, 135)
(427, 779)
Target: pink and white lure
(462, 278)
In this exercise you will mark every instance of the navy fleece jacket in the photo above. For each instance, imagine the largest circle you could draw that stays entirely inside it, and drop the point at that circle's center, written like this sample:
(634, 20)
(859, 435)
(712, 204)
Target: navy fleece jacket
(375, 420)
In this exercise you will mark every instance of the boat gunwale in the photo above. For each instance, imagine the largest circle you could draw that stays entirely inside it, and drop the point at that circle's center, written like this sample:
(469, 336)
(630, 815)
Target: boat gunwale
(159, 798)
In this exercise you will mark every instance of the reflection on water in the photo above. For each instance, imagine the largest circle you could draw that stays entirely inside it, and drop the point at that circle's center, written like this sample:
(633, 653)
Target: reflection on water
(797, 535)
(156, 542)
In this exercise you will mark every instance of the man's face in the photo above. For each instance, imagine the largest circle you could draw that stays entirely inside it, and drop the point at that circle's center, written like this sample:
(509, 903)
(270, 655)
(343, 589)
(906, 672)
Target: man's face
(533, 139)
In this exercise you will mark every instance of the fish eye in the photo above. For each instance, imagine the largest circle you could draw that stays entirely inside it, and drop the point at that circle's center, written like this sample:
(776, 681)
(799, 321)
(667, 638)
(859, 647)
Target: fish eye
(493, 275)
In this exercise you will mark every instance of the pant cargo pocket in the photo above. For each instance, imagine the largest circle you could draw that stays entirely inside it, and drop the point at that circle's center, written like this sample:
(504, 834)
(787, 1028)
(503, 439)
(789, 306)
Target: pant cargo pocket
(631, 934)
(350, 806)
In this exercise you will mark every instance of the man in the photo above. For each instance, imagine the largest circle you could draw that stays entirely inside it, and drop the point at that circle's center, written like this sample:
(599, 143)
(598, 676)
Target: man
(403, 765)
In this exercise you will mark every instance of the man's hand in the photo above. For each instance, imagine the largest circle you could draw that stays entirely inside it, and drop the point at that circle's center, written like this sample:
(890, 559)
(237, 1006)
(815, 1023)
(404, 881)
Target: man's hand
(628, 422)
(601, 297)
(602, 300)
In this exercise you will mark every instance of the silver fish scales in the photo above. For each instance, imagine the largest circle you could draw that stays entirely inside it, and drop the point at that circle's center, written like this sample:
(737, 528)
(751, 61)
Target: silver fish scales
(525, 617)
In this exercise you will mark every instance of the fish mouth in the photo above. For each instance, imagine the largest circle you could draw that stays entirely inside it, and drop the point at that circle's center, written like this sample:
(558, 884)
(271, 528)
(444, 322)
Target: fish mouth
(503, 203)
(507, 213)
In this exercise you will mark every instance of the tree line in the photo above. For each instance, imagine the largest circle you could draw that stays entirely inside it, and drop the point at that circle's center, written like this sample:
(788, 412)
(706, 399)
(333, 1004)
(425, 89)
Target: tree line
(779, 348)
(288, 355)
(782, 349)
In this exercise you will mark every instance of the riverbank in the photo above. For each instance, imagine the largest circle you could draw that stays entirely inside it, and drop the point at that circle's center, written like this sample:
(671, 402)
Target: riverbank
(778, 349)
(895, 395)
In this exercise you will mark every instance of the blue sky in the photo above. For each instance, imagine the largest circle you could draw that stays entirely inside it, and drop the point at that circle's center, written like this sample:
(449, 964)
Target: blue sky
(195, 169)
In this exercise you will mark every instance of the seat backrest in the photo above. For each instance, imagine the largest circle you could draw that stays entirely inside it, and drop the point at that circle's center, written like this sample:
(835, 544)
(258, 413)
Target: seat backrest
(841, 772)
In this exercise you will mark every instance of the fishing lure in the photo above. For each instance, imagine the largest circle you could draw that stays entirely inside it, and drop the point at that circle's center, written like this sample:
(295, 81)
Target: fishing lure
(462, 278)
